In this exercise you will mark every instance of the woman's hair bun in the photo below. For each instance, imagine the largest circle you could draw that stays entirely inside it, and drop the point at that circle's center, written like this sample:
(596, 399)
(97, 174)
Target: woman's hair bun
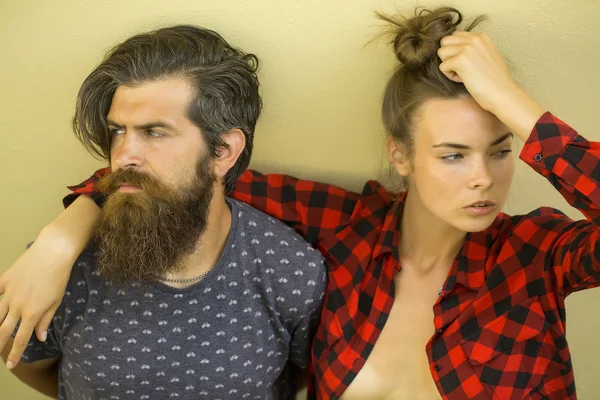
(416, 40)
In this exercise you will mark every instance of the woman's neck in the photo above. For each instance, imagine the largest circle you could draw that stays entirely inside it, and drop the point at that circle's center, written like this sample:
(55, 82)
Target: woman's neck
(427, 243)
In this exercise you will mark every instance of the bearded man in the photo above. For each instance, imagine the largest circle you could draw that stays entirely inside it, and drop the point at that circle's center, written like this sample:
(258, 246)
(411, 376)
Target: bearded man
(183, 293)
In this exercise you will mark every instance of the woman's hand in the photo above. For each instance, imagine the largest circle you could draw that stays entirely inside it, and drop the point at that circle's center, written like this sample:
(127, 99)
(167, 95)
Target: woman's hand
(473, 59)
(33, 288)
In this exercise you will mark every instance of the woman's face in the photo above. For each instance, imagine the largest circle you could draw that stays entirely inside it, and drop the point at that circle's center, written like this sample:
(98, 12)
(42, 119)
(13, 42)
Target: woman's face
(461, 168)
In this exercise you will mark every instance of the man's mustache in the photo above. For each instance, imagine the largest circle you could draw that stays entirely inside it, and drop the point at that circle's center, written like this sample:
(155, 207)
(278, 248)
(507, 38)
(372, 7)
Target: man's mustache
(110, 183)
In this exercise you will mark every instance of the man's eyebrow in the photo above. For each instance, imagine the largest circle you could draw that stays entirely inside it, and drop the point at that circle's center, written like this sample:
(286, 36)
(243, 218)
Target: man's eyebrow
(465, 147)
(113, 123)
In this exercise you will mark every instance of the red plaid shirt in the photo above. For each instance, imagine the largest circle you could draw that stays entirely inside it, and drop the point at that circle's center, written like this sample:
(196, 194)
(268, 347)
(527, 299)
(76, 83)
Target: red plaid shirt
(500, 318)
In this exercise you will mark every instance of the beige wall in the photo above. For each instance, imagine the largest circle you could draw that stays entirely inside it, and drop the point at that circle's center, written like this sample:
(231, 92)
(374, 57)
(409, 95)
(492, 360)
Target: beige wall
(321, 90)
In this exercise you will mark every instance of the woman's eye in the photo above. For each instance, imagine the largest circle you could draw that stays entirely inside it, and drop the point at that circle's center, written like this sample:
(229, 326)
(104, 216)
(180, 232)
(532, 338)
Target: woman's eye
(452, 157)
(503, 153)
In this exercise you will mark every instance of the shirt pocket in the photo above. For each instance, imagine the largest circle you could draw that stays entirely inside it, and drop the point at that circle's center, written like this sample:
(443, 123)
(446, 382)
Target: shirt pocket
(513, 353)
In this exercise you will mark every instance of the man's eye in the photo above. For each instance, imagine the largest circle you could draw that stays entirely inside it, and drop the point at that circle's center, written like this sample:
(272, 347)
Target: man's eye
(114, 132)
(155, 134)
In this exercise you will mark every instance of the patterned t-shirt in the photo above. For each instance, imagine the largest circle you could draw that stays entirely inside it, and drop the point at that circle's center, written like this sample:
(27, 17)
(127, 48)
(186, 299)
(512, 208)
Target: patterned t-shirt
(240, 333)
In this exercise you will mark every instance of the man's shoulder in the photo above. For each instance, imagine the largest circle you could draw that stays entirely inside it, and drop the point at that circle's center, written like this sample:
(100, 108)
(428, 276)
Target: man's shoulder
(291, 270)
(85, 275)
(272, 243)
(262, 228)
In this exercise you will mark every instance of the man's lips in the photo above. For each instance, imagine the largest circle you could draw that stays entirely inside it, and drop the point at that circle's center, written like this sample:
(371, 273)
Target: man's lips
(129, 188)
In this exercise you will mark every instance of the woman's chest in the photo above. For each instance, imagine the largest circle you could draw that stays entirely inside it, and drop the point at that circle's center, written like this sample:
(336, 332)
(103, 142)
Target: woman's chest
(398, 366)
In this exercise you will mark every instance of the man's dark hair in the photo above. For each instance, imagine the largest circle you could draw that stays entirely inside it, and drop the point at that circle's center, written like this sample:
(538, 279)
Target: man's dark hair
(226, 88)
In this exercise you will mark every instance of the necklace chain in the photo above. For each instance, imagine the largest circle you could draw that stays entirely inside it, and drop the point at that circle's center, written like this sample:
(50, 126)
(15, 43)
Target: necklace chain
(187, 280)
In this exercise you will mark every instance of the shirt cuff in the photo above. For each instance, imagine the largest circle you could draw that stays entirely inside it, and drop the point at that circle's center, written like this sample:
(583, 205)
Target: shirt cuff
(99, 198)
(547, 142)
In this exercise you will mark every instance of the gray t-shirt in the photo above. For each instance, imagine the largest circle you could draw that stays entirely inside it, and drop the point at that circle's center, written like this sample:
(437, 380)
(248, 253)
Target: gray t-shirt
(240, 333)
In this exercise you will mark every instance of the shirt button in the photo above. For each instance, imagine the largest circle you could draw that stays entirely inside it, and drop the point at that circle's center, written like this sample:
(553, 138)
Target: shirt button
(538, 157)
(440, 331)
(438, 367)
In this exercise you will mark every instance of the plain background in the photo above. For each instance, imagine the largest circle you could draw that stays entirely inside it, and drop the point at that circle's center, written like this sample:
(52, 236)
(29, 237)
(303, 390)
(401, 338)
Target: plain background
(322, 80)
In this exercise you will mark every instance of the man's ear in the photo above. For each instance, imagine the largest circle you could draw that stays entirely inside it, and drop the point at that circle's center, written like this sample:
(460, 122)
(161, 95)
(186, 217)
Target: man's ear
(228, 156)
(399, 157)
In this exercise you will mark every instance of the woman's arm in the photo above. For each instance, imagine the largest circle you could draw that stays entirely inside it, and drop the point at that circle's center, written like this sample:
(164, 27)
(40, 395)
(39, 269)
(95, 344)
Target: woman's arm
(33, 287)
(313, 209)
(554, 149)
(43, 271)
(572, 165)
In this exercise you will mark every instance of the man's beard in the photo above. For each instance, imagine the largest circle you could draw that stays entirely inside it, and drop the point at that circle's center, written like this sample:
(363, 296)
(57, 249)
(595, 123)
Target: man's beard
(143, 235)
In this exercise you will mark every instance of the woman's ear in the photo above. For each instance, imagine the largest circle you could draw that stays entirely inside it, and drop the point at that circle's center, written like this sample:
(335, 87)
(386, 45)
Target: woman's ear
(228, 156)
(399, 157)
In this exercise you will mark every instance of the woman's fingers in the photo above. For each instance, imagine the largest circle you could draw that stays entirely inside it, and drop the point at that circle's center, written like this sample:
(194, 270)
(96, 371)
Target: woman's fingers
(6, 330)
(21, 341)
(446, 52)
(450, 69)
(41, 329)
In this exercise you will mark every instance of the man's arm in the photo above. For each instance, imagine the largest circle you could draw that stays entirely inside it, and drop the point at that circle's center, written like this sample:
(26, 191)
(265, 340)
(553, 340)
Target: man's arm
(41, 375)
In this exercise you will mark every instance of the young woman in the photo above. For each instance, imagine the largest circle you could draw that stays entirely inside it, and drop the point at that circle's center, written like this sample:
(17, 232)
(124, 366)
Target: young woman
(433, 292)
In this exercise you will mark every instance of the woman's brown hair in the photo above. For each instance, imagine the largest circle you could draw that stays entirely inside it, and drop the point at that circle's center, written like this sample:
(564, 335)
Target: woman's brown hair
(417, 78)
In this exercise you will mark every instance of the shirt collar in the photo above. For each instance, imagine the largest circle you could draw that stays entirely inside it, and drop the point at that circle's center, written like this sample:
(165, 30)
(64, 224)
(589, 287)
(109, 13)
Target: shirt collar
(389, 236)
